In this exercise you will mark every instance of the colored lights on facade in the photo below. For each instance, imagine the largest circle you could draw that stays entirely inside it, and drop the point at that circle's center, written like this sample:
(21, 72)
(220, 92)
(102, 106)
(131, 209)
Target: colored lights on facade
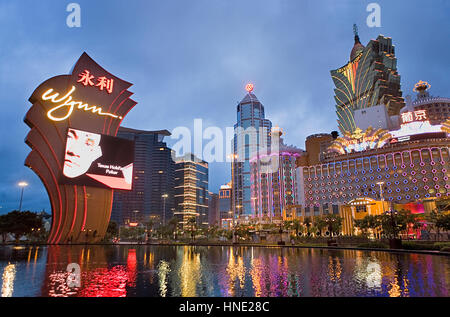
(421, 86)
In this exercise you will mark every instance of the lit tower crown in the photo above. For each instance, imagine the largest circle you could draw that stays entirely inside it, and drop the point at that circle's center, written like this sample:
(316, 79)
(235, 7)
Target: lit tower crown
(421, 88)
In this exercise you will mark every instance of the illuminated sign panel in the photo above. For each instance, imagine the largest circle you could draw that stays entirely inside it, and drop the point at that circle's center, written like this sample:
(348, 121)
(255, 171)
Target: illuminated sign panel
(413, 116)
(360, 141)
(73, 121)
(94, 159)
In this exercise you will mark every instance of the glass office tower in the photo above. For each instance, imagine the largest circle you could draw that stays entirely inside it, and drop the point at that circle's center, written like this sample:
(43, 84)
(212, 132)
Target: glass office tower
(153, 177)
(251, 137)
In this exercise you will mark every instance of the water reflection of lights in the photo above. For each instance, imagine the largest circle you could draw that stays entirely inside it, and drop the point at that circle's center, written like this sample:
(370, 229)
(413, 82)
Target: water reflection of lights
(236, 269)
(9, 274)
(132, 267)
(334, 270)
(374, 276)
(163, 274)
(190, 273)
(395, 290)
(100, 282)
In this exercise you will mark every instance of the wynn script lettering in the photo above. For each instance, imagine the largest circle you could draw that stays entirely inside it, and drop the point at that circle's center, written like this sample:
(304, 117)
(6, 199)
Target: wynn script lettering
(66, 102)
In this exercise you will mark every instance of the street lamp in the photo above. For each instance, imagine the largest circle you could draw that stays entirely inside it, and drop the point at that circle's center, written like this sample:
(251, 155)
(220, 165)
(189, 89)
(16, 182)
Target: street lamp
(164, 196)
(23, 185)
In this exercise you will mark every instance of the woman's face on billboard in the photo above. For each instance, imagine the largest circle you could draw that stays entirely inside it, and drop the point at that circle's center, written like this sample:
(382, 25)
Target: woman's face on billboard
(82, 149)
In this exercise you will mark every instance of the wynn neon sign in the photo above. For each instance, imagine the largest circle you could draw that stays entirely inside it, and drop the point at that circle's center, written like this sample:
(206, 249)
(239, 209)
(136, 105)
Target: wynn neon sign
(66, 102)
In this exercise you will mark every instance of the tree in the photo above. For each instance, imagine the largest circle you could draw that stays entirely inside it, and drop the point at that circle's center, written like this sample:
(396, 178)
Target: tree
(320, 224)
(20, 223)
(333, 223)
(307, 223)
(149, 226)
(112, 230)
(368, 222)
(438, 221)
(296, 225)
(192, 223)
(396, 222)
(173, 226)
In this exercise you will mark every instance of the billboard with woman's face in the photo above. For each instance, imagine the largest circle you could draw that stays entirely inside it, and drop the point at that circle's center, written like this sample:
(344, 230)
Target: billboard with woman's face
(93, 159)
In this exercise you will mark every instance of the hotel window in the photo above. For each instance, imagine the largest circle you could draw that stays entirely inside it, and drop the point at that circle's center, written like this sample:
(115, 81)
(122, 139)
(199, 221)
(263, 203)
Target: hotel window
(307, 211)
(336, 209)
(361, 208)
(316, 210)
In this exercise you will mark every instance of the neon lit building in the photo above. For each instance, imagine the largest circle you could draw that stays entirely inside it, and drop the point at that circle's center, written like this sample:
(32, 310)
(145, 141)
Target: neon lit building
(246, 143)
(275, 192)
(191, 189)
(370, 78)
(411, 169)
(153, 177)
(437, 108)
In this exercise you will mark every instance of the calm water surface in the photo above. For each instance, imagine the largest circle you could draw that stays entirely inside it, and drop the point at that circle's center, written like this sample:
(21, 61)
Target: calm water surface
(220, 271)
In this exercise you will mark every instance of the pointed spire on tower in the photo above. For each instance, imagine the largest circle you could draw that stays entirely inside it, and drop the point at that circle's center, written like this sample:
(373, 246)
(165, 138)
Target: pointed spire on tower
(355, 32)
(357, 47)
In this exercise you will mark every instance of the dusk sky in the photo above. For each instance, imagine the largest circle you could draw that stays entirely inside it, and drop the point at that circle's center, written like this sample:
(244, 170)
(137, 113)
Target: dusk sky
(191, 59)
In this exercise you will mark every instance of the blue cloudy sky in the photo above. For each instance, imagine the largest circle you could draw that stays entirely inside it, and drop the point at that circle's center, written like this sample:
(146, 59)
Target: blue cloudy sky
(191, 59)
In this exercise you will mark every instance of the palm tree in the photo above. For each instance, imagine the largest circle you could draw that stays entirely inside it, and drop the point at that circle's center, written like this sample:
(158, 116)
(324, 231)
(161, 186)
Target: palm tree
(296, 225)
(173, 224)
(149, 225)
(192, 222)
(307, 223)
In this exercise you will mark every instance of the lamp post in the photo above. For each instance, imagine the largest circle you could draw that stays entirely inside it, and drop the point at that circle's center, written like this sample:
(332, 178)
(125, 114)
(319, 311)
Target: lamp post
(164, 196)
(23, 185)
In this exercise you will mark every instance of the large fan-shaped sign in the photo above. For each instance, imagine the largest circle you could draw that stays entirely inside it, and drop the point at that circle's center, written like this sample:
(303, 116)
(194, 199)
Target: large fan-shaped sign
(74, 120)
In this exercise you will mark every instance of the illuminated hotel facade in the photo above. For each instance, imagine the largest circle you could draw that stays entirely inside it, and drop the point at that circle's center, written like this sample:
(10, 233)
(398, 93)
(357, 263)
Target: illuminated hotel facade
(275, 191)
(369, 79)
(191, 190)
(373, 172)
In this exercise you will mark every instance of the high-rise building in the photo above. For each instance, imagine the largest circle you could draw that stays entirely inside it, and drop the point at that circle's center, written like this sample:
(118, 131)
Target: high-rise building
(275, 192)
(191, 189)
(153, 177)
(369, 79)
(213, 210)
(252, 136)
(225, 206)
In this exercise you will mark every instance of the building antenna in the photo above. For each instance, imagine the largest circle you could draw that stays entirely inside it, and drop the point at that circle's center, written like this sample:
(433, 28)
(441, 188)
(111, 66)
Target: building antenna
(355, 29)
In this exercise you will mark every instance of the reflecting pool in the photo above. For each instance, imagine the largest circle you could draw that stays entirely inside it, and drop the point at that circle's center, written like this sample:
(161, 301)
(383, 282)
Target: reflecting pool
(129, 270)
